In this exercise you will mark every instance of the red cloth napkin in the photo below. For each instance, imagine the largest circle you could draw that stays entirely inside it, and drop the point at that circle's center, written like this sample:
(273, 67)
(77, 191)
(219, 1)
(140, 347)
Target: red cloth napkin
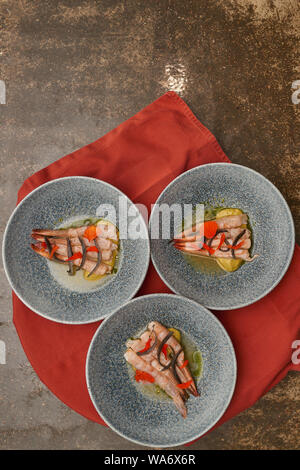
(140, 157)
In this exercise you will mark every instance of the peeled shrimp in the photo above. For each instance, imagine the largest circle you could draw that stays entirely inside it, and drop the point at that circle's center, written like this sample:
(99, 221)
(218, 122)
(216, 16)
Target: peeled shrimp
(232, 221)
(74, 241)
(76, 247)
(230, 234)
(74, 234)
(105, 230)
(228, 222)
(88, 265)
(138, 344)
(161, 332)
(160, 379)
(231, 240)
(194, 249)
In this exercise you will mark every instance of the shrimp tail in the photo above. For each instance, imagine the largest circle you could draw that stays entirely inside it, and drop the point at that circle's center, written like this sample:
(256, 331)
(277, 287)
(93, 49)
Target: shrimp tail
(49, 233)
(40, 251)
(179, 403)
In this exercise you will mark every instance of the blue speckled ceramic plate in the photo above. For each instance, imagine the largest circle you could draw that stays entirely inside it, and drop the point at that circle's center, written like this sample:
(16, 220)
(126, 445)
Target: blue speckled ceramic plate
(32, 277)
(144, 418)
(236, 186)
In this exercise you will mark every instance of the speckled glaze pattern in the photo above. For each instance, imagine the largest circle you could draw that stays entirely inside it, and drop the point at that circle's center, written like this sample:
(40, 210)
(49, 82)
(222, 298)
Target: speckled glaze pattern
(28, 273)
(141, 418)
(272, 229)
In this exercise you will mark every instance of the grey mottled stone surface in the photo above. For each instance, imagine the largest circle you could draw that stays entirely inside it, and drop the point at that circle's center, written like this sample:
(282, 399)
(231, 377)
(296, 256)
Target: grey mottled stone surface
(75, 70)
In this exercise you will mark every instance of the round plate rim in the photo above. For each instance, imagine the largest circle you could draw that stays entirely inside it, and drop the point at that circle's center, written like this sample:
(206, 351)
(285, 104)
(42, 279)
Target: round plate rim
(186, 299)
(290, 255)
(70, 322)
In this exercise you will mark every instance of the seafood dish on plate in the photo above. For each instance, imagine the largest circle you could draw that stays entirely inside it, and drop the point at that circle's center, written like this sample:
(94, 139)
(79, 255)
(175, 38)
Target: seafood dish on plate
(140, 396)
(64, 252)
(158, 357)
(226, 238)
(91, 245)
(257, 235)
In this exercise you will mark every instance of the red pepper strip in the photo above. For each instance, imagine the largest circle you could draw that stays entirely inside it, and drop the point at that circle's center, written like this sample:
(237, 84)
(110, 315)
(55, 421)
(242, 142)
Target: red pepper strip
(75, 256)
(235, 247)
(184, 364)
(92, 248)
(185, 384)
(164, 349)
(146, 347)
(222, 239)
(90, 233)
(144, 376)
(54, 249)
(208, 248)
(212, 250)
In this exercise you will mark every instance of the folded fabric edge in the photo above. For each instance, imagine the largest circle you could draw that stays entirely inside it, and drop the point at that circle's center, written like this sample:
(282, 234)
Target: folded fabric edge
(191, 116)
(32, 181)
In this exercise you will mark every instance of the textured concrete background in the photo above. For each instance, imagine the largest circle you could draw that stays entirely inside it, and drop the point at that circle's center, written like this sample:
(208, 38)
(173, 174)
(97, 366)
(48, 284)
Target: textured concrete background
(76, 69)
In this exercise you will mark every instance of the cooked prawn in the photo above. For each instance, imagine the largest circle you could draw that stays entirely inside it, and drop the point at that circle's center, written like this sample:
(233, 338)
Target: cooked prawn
(88, 265)
(182, 371)
(96, 244)
(138, 344)
(160, 379)
(77, 248)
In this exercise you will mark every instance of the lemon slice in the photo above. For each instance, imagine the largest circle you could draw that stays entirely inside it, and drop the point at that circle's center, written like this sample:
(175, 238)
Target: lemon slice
(176, 333)
(229, 265)
(227, 212)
